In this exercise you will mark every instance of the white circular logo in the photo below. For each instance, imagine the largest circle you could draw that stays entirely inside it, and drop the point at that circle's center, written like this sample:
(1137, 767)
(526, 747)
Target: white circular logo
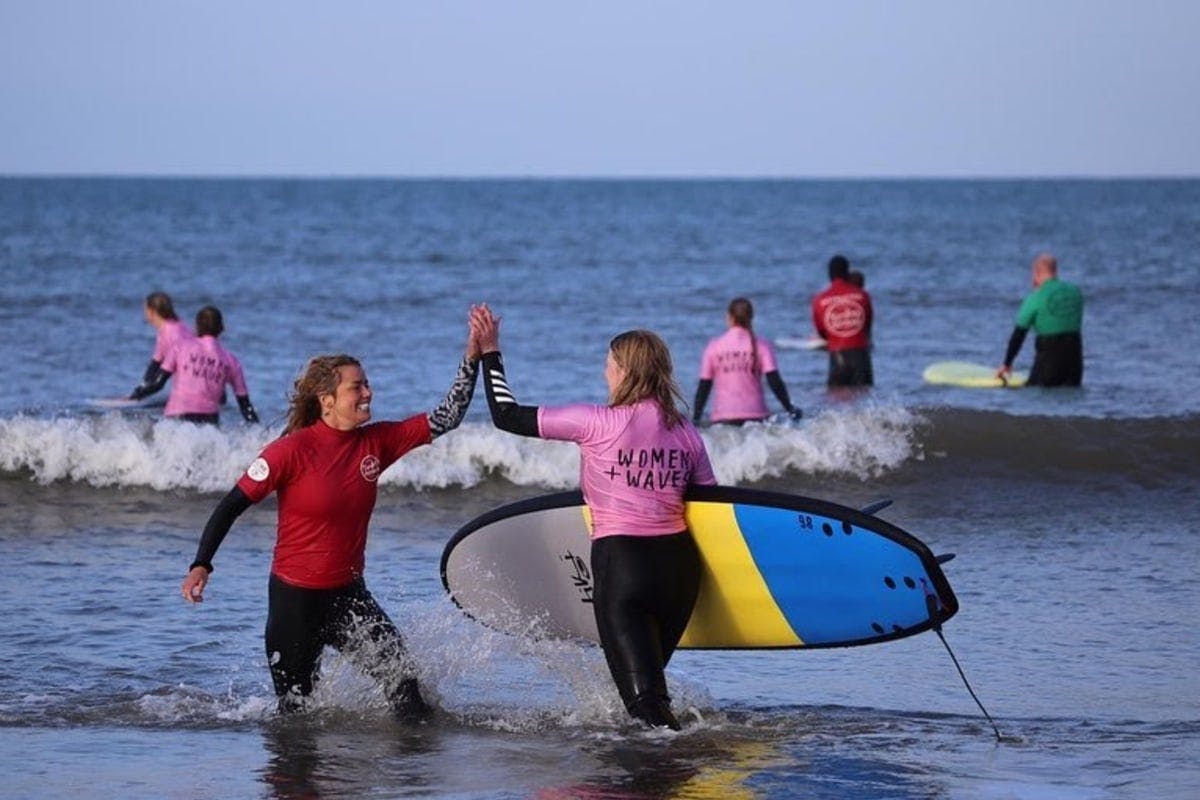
(369, 467)
(845, 318)
(259, 470)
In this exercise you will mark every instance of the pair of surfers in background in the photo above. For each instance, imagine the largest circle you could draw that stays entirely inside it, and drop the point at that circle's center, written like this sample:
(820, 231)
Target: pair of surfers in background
(325, 468)
(201, 366)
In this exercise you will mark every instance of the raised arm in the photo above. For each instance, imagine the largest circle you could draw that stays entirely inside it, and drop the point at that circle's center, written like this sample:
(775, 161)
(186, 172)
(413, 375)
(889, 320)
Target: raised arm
(507, 414)
(450, 412)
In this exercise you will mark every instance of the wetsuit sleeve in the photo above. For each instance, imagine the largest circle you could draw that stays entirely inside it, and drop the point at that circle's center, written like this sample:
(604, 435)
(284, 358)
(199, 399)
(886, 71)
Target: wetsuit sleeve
(1014, 344)
(229, 509)
(154, 379)
(775, 381)
(247, 408)
(702, 391)
(507, 415)
(450, 412)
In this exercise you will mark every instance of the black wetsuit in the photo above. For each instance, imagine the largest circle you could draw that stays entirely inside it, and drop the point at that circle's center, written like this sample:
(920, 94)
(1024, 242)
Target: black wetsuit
(646, 588)
(850, 368)
(1057, 360)
(301, 622)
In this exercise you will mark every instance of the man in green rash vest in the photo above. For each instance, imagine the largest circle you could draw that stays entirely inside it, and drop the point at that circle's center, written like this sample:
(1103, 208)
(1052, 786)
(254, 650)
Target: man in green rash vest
(1055, 311)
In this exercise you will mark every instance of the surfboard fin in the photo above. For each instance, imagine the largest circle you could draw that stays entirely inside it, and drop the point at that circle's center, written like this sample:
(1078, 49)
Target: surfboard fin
(878, 505)
(944, 557)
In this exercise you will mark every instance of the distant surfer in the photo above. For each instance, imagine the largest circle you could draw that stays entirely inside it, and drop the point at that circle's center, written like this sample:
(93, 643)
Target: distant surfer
(734, 364)
(324, 469)
(1055, 311)
(639, 454)
(169, 331)
(842, 315)
(202, 368)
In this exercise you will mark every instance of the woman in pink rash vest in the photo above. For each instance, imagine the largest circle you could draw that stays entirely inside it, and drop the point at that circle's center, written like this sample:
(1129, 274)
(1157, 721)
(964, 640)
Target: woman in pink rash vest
(638, 455)
(734, 365)
(202, 368)
(169, 332)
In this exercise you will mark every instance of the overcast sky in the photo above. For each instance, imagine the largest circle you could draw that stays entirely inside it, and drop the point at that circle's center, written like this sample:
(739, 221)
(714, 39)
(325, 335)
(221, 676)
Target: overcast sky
(612, 88)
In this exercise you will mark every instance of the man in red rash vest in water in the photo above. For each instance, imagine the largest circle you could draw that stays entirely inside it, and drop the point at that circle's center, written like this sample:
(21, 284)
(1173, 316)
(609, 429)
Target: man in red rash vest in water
(842, 315)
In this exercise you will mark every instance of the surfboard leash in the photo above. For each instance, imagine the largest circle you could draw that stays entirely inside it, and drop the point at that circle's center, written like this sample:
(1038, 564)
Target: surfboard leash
(931, 604)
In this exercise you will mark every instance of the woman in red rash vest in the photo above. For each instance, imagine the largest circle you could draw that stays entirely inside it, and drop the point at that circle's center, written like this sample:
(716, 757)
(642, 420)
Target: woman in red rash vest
(325, 469)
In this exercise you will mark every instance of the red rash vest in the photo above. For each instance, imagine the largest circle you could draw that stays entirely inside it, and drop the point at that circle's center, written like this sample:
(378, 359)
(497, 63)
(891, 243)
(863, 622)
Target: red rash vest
(327, 483)
(842, 316)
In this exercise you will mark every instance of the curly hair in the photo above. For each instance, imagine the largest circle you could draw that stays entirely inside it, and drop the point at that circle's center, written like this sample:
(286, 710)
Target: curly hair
(321, 376)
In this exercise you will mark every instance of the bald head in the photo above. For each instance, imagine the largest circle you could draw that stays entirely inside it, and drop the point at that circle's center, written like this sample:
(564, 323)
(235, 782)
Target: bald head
(1045, 267)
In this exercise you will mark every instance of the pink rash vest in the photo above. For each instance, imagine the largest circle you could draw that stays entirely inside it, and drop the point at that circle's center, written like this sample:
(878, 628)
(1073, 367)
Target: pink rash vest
(737, 387)
(201, 367)
(171, 333)
(633, 469)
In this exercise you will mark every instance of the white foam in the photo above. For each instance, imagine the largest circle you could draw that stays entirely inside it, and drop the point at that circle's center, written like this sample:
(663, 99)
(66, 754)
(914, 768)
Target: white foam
(114, 450)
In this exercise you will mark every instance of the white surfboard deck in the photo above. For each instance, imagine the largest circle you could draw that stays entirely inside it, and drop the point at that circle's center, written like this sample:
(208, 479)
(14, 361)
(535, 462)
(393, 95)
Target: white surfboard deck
(793, 343)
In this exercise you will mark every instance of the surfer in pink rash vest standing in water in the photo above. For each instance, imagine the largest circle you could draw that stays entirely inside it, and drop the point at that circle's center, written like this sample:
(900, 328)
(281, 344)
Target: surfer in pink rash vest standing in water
(169, 332)
(638, 455)
(735, 364)
(202, 367)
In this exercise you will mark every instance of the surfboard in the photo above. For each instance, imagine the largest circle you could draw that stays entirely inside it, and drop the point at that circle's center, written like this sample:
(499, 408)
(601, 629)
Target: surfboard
(811, 343)
(113, 402)
(972, 376)
(117, 403)
(780, 571)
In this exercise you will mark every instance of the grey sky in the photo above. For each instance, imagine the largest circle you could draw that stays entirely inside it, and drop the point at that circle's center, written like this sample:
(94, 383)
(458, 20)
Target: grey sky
(609, 88)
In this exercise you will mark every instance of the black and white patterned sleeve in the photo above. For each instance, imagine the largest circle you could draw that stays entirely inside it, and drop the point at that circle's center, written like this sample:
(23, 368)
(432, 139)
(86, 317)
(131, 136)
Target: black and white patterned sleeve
(450, 412)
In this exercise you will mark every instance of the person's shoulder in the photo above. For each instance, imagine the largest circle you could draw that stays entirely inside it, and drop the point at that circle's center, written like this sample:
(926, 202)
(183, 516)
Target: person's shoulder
(287, 444)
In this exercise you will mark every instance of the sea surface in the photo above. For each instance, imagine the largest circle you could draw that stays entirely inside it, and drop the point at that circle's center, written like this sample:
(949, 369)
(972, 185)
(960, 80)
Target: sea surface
(1073, 513)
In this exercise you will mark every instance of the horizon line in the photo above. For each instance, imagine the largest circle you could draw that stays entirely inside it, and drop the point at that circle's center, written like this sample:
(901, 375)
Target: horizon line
(674, 177)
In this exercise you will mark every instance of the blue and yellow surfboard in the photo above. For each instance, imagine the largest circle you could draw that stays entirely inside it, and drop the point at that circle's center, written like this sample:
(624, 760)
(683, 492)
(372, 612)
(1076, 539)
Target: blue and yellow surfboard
(780, 571)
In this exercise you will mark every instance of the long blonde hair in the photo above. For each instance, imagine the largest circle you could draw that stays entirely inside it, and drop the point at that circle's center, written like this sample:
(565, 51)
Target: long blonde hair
(648, 373)
(320, 377)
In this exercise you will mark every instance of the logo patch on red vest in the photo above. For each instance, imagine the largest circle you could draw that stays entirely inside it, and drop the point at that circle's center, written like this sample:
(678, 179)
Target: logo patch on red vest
(369, 467)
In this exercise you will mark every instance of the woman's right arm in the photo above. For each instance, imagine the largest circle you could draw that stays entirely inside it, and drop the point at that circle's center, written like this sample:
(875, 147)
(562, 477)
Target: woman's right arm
(507, 414)
(229, 509)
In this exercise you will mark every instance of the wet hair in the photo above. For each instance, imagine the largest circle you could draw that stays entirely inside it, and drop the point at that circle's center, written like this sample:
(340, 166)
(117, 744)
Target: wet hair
(741, 311)
(648, 373)
(857, 278)
(321, 376)
(160, 303)
(839, 267)
(209, 322)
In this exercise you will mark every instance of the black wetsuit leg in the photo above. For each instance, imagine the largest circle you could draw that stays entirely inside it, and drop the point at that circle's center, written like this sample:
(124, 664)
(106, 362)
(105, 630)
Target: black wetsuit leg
(850, 368)
(201, 419)
(295, 621)
(646, 587)
(301, 622)
(1058, 361)
(362, 630)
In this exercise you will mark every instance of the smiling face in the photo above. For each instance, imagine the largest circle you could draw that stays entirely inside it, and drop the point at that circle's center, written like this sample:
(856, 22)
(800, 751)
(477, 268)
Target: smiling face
(350, 405)
(614, 373)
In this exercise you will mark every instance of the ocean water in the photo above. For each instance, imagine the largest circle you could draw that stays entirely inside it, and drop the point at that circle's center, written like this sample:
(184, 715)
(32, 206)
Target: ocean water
(1072, 513)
